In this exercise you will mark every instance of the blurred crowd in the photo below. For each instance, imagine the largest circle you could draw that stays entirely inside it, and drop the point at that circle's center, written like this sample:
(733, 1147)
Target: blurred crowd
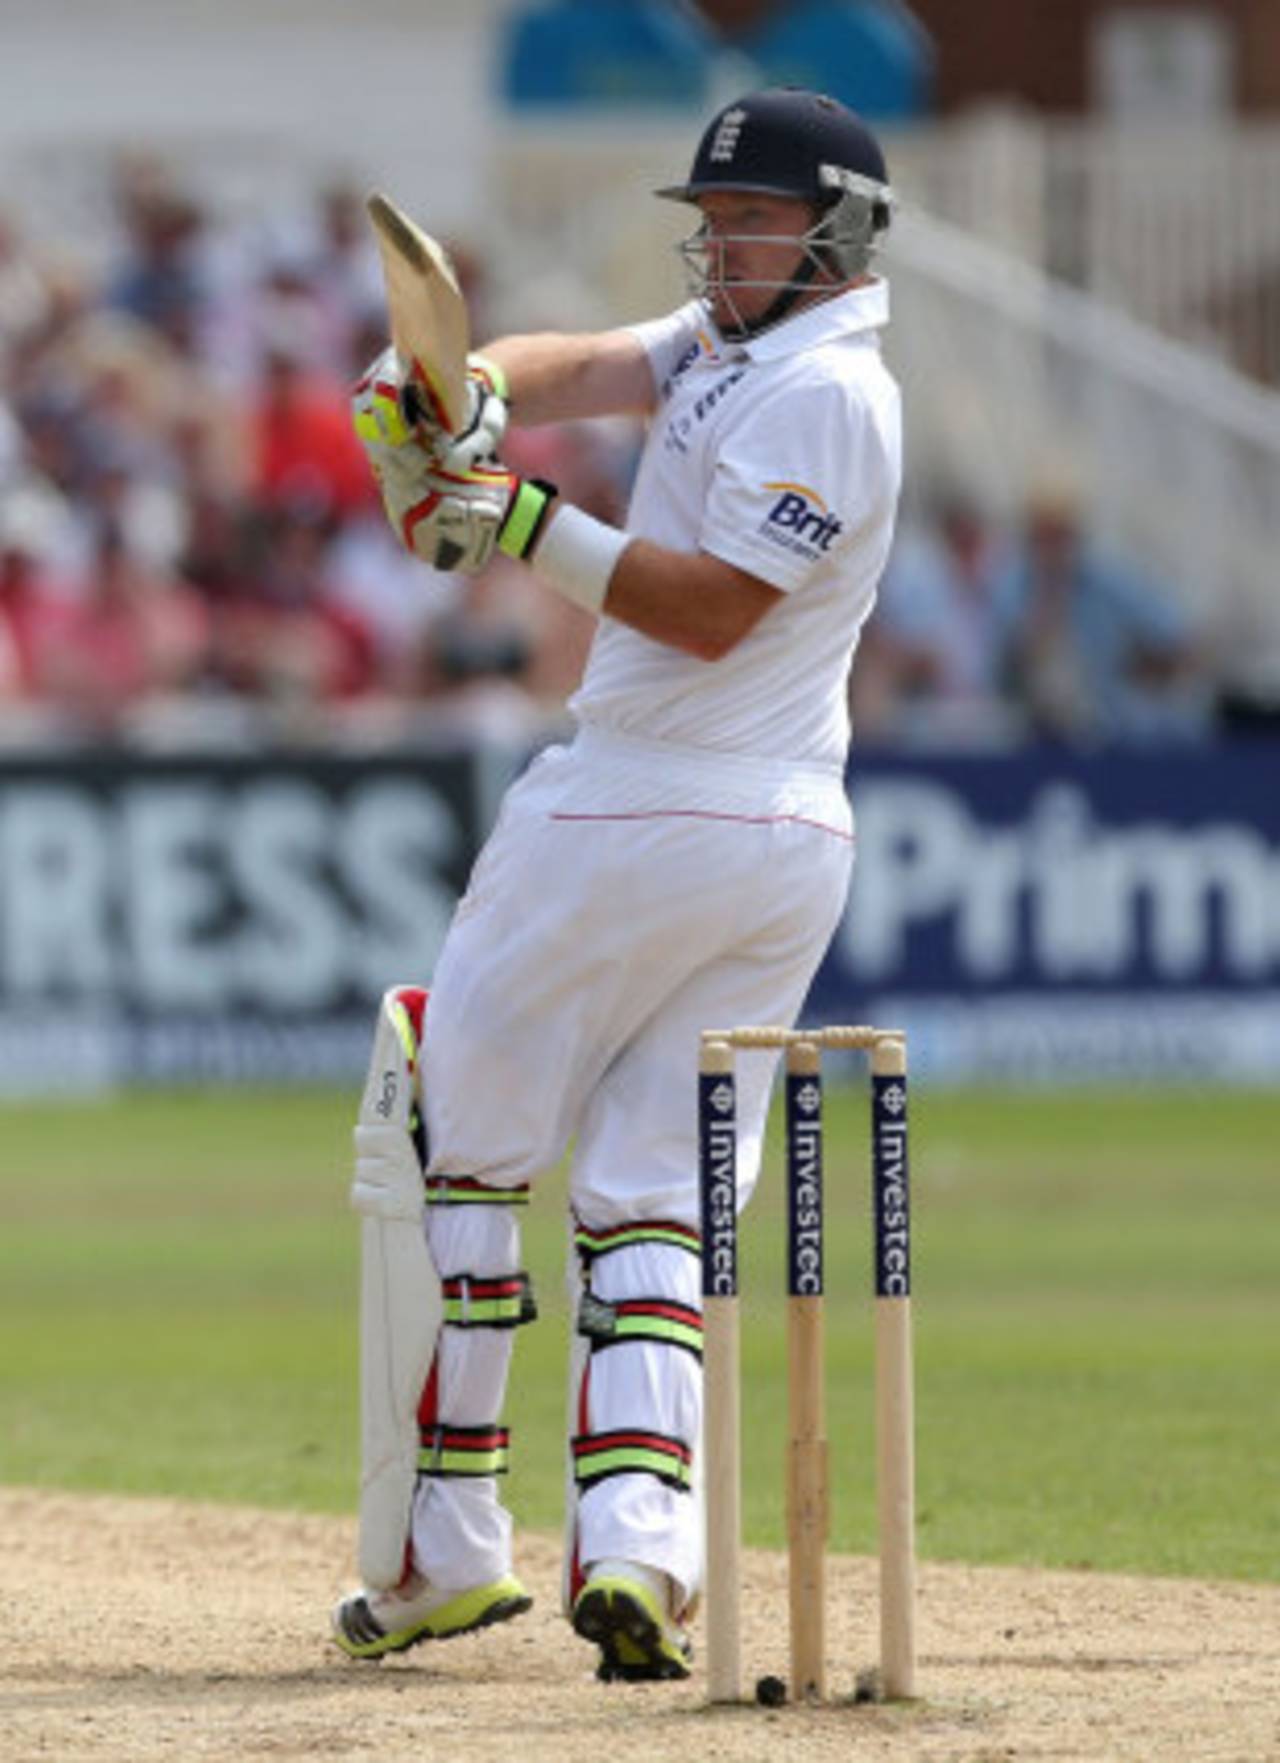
(191, 549)
(992, 632)
(191, 546)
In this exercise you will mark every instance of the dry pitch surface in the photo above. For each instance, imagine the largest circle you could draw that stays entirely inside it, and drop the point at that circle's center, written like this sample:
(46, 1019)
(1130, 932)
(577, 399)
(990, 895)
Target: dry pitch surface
(149, 1629)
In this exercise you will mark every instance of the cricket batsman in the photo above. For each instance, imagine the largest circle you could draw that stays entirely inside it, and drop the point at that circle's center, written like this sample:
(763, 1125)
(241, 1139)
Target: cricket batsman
(682, 862)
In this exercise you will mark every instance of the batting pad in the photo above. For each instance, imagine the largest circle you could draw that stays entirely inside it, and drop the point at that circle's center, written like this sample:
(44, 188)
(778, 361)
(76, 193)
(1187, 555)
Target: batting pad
(401, 1304)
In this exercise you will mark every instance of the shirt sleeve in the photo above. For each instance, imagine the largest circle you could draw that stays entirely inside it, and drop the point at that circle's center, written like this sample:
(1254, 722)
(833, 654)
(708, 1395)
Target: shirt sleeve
(670, 341)
(795, 474)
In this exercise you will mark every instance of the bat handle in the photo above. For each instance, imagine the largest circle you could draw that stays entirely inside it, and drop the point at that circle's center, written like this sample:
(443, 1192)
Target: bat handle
(411, 406)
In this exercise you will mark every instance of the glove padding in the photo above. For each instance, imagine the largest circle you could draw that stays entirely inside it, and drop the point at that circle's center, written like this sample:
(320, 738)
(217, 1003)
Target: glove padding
(390, 411)
(381, 425)
(454, 520)
(443, 506)
(450, 520)
(487, 410)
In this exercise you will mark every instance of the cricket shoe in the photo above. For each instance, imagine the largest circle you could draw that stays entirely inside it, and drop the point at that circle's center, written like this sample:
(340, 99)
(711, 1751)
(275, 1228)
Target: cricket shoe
(368, 1625)
(623, 1610)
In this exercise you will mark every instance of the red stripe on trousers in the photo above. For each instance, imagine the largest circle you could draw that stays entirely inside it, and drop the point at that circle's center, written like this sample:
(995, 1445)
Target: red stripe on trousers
(706, 814)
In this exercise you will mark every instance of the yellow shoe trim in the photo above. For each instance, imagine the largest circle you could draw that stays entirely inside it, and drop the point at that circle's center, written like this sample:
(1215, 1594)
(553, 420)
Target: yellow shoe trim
(483, 1605)
(636, 1639)
(479, 1607)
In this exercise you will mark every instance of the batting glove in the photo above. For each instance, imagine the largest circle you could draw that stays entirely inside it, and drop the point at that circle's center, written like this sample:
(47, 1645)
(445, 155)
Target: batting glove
(456, 520)
(488, 407)
(383, 427)
(390, 409)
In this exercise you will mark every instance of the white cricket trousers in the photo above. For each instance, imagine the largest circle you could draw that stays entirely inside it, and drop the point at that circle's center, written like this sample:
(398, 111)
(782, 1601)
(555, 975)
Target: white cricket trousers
(631, 895)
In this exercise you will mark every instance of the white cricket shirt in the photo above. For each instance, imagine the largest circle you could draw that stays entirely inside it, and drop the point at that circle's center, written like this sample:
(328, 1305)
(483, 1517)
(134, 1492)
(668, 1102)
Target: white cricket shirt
(781, 455)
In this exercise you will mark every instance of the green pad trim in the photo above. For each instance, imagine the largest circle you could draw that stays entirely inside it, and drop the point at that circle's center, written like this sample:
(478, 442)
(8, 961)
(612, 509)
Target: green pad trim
(464, 1450)
(639, 1319)
(465, 1190)
(601, 1454)
(470, 1302)
(591, 1243)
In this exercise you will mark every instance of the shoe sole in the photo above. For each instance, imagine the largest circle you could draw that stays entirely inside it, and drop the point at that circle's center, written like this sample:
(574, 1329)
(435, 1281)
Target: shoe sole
(633, 1647)
(438, 1626)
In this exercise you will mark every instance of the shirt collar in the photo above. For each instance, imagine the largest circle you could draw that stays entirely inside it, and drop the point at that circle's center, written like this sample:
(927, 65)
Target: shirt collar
(860, 309)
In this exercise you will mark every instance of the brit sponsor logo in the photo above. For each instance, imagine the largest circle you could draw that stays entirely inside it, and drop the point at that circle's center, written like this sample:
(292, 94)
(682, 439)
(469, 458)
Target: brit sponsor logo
(799, 520)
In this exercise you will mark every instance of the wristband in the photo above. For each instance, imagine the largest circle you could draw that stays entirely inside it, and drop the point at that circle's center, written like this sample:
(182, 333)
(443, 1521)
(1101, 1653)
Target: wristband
(525, 517)
(577, 556)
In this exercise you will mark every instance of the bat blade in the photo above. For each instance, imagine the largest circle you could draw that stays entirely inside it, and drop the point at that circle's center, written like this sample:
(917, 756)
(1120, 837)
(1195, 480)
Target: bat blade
(427, 311)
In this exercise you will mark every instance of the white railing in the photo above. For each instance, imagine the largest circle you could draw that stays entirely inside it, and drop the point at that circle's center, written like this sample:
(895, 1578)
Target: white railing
(1180, 228)
(1009, 376)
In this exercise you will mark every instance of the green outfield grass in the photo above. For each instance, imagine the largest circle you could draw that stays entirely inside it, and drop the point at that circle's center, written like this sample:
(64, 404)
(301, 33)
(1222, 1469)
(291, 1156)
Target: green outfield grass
(1097, 1319)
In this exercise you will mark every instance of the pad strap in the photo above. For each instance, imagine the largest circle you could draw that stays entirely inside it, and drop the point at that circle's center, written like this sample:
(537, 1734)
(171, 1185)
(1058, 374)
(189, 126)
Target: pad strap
(472, 1302)
(637, 1319)
(598, 1455)
(465, 1190)
(448, 1451)
(591, 1244)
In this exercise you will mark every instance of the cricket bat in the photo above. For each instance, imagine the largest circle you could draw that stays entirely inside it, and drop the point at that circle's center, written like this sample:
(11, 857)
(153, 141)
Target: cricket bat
(427, 311)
